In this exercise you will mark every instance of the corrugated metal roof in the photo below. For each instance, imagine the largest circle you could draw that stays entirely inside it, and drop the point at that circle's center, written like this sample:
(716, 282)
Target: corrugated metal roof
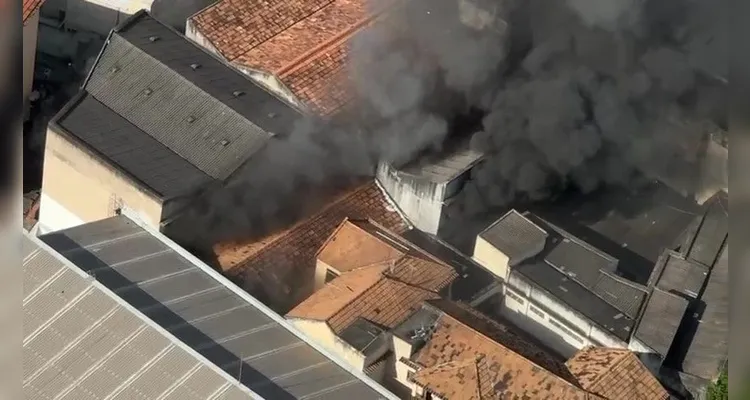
(152, 82)
(130, 149)
(82, 342)
(445, 166)
(239, 336)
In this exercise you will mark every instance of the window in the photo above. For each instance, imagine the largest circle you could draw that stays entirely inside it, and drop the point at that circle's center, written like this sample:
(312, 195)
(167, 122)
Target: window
(513, 295)
(330, 275)
(537, 311)
(566, 330)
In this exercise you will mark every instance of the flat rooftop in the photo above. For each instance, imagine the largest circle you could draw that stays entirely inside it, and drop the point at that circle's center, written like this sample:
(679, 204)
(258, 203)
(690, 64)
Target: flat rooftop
(568, 268)
(632, 225)
(203, 310)
(472, 280)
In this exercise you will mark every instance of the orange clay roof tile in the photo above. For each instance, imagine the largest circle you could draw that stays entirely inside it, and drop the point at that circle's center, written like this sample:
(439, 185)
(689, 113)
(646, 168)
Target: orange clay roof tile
(351, 247)
(29, 7)
(616, 374)
(376, 286)
(502, 373)
(285, 262)
(510, 336)
(387, 303)
(304, 42)
(337, 294)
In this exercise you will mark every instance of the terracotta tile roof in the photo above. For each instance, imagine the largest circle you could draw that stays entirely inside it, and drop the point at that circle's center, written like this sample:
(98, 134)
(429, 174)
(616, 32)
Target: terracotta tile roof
(385, 293)
(509, 335)
(452, 380)
(277, 268)
(304, 42)
(350, 247)
(387, 303)
(616, 374)
(29, 7)
(337, 294)
(502, 373)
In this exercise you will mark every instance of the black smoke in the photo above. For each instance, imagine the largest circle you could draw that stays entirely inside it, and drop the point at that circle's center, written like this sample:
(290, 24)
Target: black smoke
(571, 92)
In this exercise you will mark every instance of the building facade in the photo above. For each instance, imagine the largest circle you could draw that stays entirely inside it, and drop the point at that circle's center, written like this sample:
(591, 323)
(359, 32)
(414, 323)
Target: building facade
(423, 189)
(558, 288)
(148, 132)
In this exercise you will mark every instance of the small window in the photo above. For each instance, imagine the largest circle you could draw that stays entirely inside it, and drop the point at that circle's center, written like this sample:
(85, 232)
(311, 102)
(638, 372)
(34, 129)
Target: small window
(537, 312)
(513, 295)
(565, 329)
(330, 275)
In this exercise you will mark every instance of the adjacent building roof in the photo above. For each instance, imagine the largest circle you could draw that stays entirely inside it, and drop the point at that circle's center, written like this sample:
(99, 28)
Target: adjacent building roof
(168, 114)
(633, 225)
(661, 319)
(276, 267)
(457, 361)
(385, 290)
(708, 350)
(615, 374)
(81, 341)
(683, 302)
(710, 234)
(29, 8)
(675, 274)
(570, 269)
(304, 44)
(473, 279)
(515, 235)
(443, 167)
(205, 311)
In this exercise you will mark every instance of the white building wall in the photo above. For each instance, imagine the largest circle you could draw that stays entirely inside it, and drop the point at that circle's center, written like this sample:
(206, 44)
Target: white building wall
(421, 202)
(551, 322)
(54, 217)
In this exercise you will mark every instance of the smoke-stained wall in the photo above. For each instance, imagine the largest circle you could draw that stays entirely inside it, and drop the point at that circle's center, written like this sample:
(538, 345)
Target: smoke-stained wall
(420, 200)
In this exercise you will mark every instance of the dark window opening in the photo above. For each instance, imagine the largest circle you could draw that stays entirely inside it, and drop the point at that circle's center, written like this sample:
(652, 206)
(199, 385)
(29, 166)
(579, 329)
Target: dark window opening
(330, 275)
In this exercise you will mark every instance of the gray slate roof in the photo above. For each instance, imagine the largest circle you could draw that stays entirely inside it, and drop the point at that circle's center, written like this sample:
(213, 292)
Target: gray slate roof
(168, 113)
(82, 342)
(660, 320)
(515, 235)
(711, 233)
(708, 350)
(570, 269)
(445, 166)
(194, 303)
(680, 275)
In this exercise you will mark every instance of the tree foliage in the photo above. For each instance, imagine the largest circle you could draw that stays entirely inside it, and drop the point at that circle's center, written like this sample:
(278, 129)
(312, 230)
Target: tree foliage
(720, 389)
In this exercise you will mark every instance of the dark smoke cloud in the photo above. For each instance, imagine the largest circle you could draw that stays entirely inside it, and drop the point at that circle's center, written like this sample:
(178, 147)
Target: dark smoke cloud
(580, 92)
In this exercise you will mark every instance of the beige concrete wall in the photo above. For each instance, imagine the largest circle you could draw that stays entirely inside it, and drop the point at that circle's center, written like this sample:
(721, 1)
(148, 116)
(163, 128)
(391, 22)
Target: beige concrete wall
(87, 187)
(491, 258)
(402, 349)
(30, 31)
(320, 274)
(321, 333)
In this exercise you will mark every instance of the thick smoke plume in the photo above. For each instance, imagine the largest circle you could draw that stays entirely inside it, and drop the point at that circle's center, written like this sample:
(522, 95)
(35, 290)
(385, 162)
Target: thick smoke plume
(581, 92)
